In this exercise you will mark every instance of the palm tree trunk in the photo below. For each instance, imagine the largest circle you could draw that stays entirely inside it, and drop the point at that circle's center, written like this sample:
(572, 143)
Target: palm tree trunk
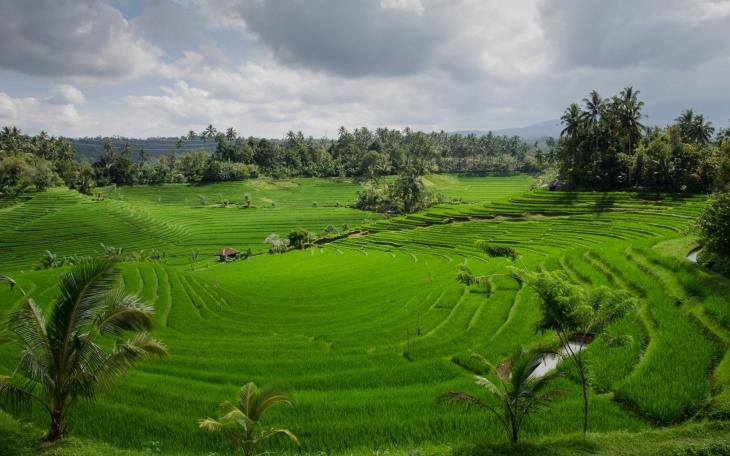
(248, 447)
(58, 427)
(585, 400)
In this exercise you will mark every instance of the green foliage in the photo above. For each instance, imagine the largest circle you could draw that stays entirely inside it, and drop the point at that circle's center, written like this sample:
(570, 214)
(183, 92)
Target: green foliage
(496, 250)
(604, 146)
(277, 243)
(714, 226)
(518, 390)
(572, 310)
(406, 194)
(336, 321)
(61, 358)
(300, 238)
(241, 420)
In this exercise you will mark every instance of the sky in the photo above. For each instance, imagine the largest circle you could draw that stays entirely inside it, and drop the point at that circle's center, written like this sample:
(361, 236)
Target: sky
(163, 67)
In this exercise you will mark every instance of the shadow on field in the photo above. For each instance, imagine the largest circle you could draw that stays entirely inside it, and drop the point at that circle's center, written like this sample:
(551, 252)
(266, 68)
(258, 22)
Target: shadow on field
(577, 447)
(604, 203)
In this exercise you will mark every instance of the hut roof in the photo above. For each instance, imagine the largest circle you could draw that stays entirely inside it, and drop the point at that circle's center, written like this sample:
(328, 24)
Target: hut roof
(227, 252)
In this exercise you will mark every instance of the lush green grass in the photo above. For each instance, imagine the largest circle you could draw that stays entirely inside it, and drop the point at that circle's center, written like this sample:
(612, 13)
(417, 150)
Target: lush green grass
(369, 330)
(708, 439)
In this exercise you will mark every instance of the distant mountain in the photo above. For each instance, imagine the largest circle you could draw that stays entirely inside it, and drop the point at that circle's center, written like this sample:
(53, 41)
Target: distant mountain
(535, 131)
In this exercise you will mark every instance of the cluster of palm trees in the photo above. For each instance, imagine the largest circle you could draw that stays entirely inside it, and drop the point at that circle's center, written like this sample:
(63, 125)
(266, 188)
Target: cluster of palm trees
(605, 146)
(694, 128)
(592, 137)
(209, 133)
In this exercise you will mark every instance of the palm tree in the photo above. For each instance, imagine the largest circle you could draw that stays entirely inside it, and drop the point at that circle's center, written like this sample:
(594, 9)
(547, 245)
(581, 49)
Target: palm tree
(594, 108)
(702, 131)
(630, 116)
(242, 418)
(572, 120)
(231, 134)
(518, 390)
(208, 133)
(60, 358)
(192, 136)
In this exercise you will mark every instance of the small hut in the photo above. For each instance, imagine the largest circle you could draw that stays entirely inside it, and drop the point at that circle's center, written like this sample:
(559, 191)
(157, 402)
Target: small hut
(226, 253)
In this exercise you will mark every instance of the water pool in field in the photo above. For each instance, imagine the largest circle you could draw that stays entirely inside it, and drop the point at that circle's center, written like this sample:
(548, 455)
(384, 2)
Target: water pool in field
(551, 360)
(692, 257)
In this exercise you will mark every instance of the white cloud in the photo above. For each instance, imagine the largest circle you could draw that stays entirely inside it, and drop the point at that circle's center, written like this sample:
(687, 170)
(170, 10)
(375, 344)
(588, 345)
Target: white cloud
(83, 40)
(265, 67)
(414, 6)
(62, 94)
(34, 114)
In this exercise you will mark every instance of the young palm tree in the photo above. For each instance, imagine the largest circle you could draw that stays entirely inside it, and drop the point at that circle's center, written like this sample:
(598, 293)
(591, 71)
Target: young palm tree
(242, 419)
(517, 390)
(60, 358)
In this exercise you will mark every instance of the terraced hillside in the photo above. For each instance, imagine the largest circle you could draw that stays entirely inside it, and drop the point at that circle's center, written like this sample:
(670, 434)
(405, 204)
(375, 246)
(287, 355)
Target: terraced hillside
(179, 218)
(369, 329)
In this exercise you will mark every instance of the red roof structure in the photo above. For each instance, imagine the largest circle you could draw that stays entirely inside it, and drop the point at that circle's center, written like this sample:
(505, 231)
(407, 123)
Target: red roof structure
(227, 253)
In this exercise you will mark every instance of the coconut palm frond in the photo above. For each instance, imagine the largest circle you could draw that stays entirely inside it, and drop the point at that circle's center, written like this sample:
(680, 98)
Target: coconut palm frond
(10, 280)
(274, 431)
(247, 398)
(210, 424)
(29, 326)
(83, 290)
(271, 395)
(124, 312)
(15, 398)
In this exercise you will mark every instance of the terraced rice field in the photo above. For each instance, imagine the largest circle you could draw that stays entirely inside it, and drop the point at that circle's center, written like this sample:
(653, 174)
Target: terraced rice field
(369, 329)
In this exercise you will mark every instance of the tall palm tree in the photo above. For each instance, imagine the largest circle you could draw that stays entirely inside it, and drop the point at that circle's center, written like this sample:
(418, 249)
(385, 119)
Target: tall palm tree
(630, 116)
(702, 131)
(208, 133)
(572, 120)
(594, 108)
(243, 417)
(518, 390)
(231, 134)
(61, 358)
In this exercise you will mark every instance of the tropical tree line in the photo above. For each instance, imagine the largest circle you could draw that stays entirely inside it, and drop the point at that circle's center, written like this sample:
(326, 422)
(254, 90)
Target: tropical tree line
(606, 145)
(41, 161)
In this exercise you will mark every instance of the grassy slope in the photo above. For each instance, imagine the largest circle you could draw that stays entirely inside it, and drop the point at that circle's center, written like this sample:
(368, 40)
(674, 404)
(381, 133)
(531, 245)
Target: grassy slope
(336, 322)
(708, 439)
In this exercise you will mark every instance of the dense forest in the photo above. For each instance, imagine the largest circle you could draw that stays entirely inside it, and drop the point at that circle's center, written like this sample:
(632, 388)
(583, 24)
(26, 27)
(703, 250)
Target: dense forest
(40, 161)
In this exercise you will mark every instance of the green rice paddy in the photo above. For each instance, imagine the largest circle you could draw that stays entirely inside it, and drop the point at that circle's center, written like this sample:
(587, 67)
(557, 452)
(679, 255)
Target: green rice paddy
(370, 328)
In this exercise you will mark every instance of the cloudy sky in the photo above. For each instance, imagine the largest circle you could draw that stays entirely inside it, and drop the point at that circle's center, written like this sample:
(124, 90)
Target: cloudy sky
(162, 67)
